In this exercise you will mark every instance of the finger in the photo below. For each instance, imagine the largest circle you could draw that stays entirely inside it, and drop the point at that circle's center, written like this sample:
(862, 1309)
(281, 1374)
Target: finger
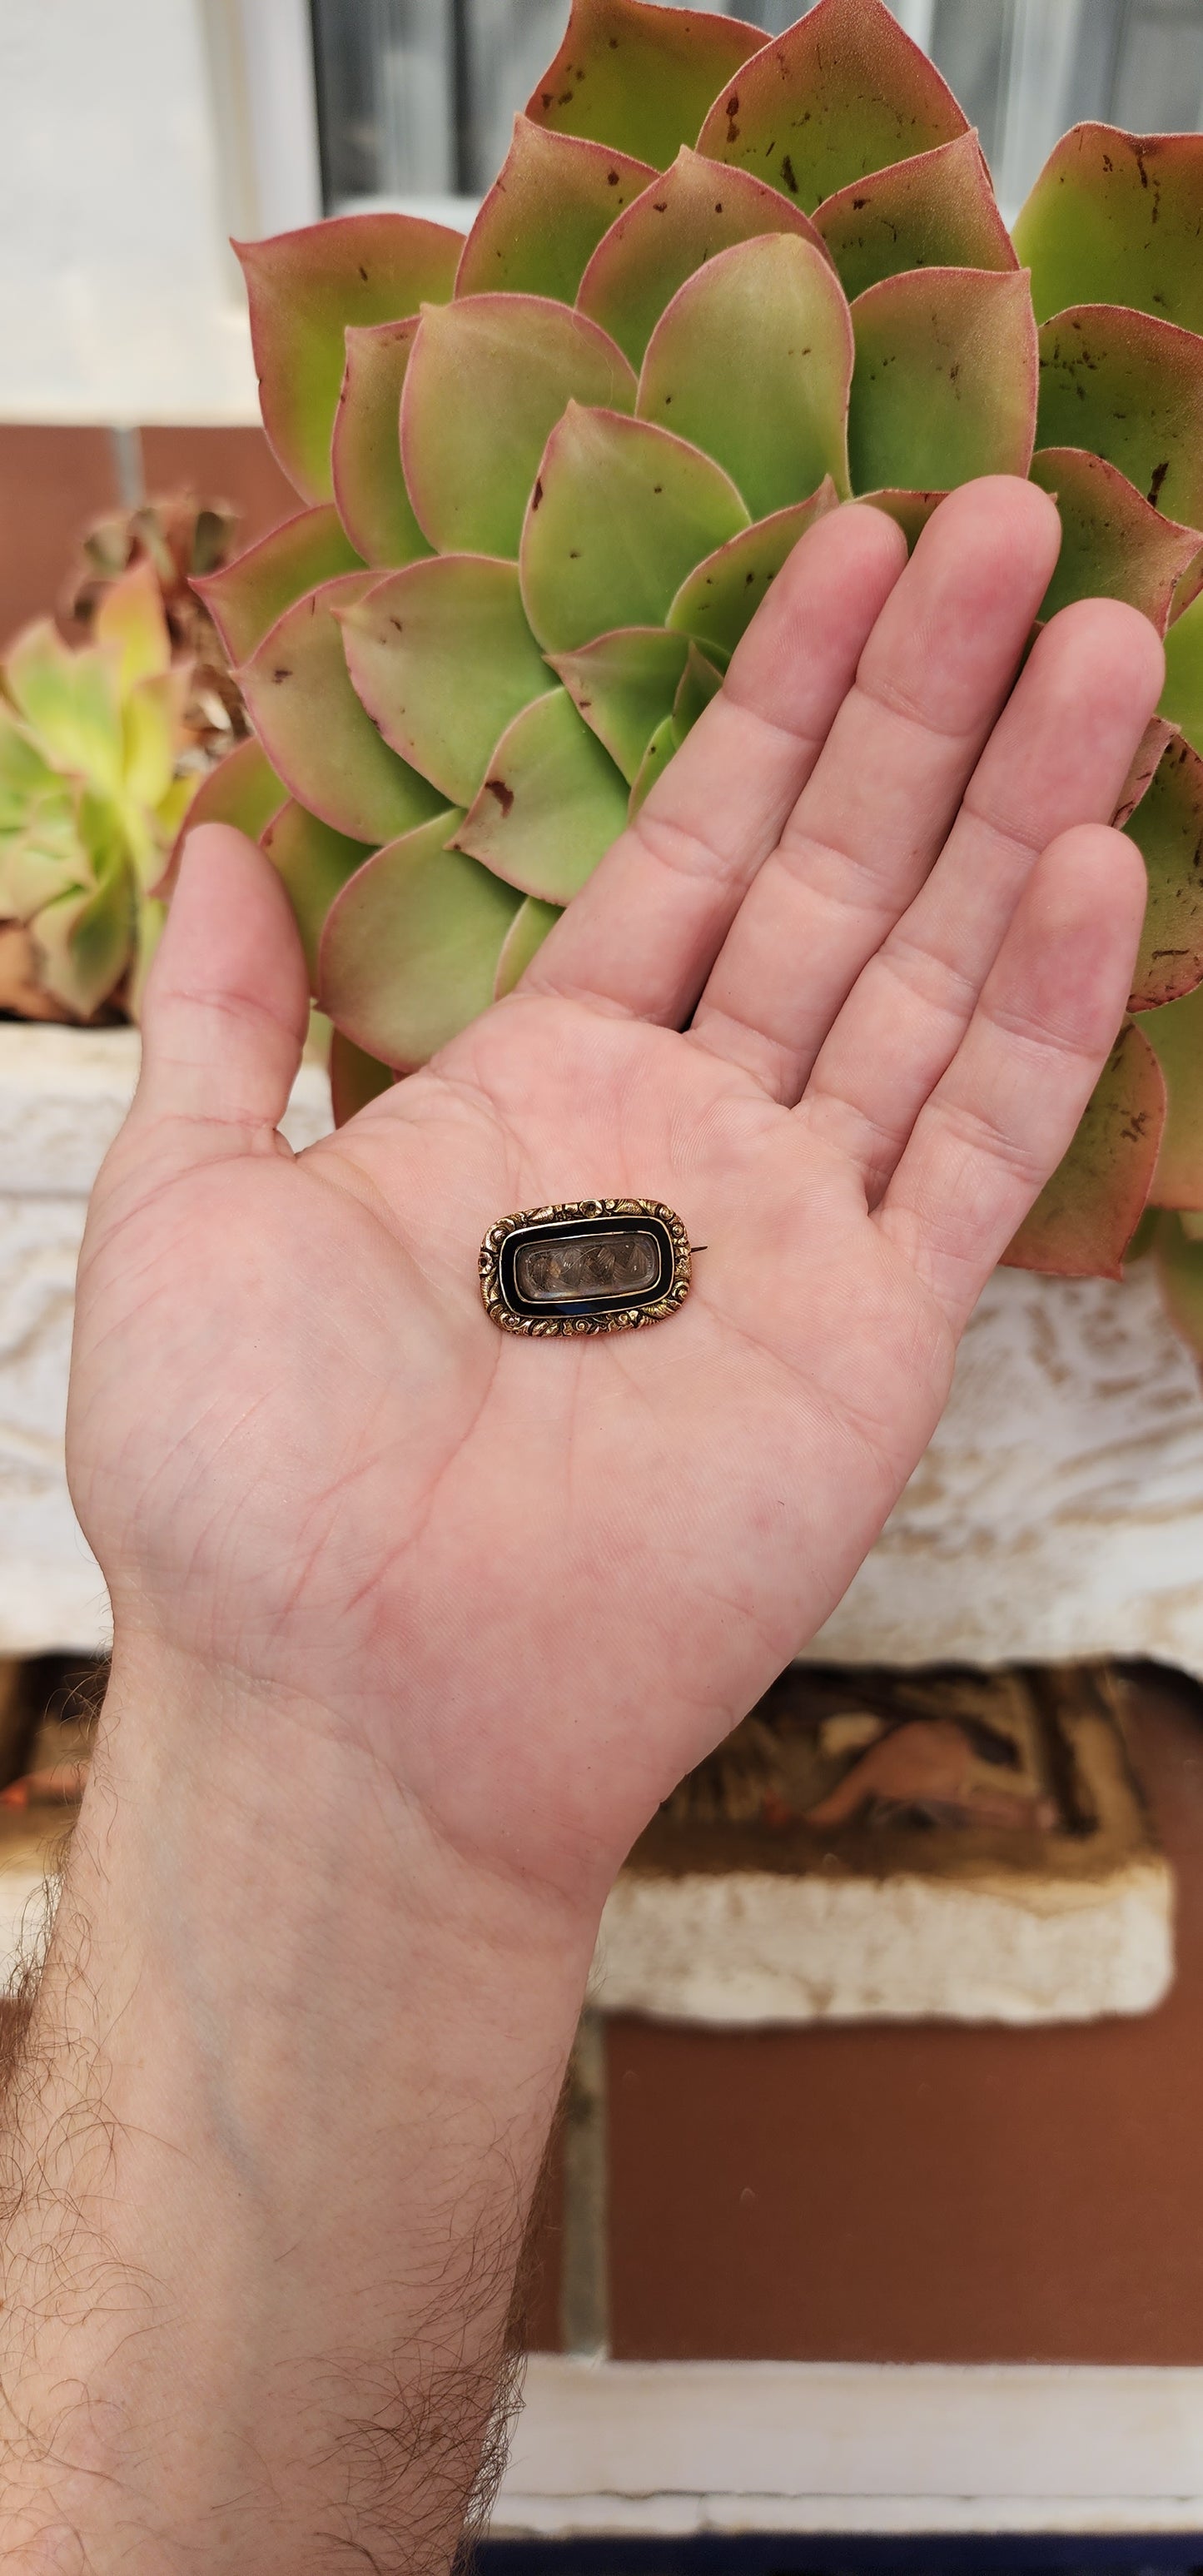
(881, 799)
(1003, 1114)
(227, 1004)
(1058, 755)
(644, 932)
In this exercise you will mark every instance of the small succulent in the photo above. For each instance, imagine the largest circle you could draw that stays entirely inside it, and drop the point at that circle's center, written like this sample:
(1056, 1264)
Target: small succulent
(719, 286)
(181, 538)
(93, 789)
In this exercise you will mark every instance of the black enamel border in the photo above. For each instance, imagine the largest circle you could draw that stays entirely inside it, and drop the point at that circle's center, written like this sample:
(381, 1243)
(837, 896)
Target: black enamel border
(569, 1230)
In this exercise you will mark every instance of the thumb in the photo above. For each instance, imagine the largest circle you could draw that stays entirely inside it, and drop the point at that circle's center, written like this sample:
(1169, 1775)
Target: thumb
(226, 1005)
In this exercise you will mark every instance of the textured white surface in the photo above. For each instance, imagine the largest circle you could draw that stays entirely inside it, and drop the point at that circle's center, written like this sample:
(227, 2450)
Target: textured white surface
(801, 2446)
(1059, 1509)
(751, 1947)
(63, 1095)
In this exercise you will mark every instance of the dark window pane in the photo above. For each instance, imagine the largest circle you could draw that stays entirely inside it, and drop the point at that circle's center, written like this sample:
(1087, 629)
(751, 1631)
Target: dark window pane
(385, 98)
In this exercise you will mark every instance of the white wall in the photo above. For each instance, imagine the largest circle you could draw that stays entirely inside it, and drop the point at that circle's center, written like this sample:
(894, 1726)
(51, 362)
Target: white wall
(119, 300)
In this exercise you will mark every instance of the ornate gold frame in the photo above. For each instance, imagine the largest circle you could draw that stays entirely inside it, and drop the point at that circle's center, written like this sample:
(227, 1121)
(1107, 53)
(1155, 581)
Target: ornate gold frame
(618, 1319)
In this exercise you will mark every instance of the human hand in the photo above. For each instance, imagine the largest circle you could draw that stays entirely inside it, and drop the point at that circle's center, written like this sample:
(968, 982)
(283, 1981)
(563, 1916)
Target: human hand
(827, 1001)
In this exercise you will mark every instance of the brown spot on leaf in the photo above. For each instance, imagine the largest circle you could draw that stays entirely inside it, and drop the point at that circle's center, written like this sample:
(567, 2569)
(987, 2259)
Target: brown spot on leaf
(282, 673)
(1158, 478)
(504, 795)
(364, 274)
(611, 178)
(537, 494)
(787, 173)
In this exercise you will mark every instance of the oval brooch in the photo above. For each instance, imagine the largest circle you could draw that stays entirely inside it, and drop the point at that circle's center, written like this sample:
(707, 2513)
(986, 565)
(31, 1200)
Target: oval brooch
(589, 1266)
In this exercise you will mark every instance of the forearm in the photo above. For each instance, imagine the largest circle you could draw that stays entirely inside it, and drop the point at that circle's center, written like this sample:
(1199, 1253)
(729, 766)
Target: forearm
(273, 2138)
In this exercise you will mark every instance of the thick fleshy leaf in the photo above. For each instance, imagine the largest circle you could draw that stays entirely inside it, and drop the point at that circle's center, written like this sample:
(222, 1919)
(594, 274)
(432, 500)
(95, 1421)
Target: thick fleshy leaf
(719, 598)
(443, 659)
(243, 790)
(700, 681)
(1182, 696)
(684, 219)
(410, 949)
(365, 450)
(246, 597)
(1131, 388)
(551, 805)
(910, 511)
(1167, 828)
(316, 734)
(69, 701)
(304, 290)
(937, 210)
(552, 201)
(1113, 545)
(1176, 1037)
(1180, 1269)
(1087, 1213)
(130, 622)
(488, 379)
(621, 512)
(83, 942)
(523, 940)
(945, 381)
(314, 864)
(1142, 769)
(152, 735)
(641, 76)
(624, 685)
(842, 93)
(655, 761)
(355, 1078)
(752, 362)
(24, 773)
(1114, 219)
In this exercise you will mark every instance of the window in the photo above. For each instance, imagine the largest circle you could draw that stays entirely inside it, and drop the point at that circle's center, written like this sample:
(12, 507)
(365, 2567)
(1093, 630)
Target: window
(416, 97)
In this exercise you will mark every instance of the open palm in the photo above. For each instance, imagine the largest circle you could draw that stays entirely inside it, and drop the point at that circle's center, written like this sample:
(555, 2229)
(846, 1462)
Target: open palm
(839, 998)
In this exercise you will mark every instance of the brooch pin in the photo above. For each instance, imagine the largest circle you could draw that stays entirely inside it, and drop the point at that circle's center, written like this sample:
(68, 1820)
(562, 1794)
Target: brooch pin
(589, 1266)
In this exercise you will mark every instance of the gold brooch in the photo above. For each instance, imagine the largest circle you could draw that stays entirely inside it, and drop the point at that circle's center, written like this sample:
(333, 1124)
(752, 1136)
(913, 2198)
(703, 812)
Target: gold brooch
(590, 1266)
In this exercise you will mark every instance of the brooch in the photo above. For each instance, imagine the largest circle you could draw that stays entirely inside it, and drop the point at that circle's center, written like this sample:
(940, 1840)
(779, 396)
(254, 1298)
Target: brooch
(590, 1266)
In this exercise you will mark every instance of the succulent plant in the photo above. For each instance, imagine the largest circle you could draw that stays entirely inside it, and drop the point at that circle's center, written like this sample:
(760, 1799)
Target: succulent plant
(181, 538)
(549, 471)
(92, 793)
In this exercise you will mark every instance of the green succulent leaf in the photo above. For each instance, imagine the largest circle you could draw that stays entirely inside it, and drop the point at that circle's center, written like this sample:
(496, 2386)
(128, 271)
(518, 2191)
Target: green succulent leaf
(314, 731)
(355, 1078)
(1180, 1269)
(410, 949)
(247, 596)
(551, 805)
(243, 790)
(131, 625)
(700, 681)
(1182, 696)
(523, 940)
(844, 92)
(944, 386)
(25, 773)
(639, 76)
(365, 450)
(1167, 828)
(1113, 545)
(304, 288)
(554, 198)
(488, 379)
(313, 864)
(1114, 219)
(679, 223)
(719, 598)
(1153, 741)
(624, 685)
(909, 511)
(620, 513)
(655, 761)
(443, 659)
(70, 703)
(1087, 1213)
(82, 942)
(1131, 388)
(937, 210)
(152, 728)
(1176, 1037)
(752, 362)
(40, 864)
